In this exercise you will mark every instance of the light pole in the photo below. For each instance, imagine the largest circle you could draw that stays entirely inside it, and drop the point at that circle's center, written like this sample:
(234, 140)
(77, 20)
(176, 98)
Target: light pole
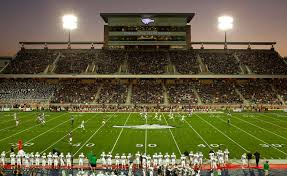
(70, 22)
(225, 23)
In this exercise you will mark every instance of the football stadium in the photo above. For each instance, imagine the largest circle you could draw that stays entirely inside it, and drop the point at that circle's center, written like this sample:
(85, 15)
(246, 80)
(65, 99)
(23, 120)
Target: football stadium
(147, 100)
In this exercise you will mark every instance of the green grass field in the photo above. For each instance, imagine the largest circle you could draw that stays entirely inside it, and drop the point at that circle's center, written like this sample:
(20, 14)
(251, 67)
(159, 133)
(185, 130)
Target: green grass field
(264, 132)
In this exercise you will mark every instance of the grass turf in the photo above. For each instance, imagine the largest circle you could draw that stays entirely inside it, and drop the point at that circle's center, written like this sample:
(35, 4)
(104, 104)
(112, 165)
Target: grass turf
(262, 132)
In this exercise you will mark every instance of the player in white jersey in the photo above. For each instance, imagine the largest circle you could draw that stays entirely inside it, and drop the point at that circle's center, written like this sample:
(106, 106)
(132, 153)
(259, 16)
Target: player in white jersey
(190, 113)
(17, 122)
(32, 159)
(27, 160)
(166, 159)
(129, 157)
(44, 157)
(226, 156)
(183, 161)
(195, 158)
(159, 118)
(109, 160)
(82, 126)
(70, 138)
(148, 161)
(144, 160)
(37, 159)
(171, 116)
(62, 160)
(200, 158)
(137, 155)
(159, 156)
(3, 156)
(182, 118)
(220, 156)
(18, 158)
(190, 157)
(12, 159)
(15, 116)
(81, 159)
(50, 159)
(155, 160)
(56, 159)
(103, 159)
(69, 160)
(117, 160)
(123, 161)
(213, 162)
(173, 158)
(103, 122)
(243, 160)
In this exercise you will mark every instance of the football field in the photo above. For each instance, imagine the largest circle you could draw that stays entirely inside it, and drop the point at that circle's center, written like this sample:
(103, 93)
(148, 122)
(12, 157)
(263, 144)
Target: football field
(130, 132)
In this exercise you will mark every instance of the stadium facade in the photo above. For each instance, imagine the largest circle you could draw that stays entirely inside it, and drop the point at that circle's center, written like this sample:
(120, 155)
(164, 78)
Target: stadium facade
(150, 60)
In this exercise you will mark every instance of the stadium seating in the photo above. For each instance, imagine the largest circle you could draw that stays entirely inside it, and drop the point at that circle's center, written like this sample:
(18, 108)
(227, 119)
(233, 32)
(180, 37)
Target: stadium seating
(220, 62)
(262, 61)
(77, 61)
(31, 61)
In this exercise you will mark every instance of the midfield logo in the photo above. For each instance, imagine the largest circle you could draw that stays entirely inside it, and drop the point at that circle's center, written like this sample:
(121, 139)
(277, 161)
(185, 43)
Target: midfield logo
(147, 21)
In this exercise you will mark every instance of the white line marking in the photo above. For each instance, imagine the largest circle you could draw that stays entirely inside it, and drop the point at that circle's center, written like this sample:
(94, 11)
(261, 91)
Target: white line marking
(20, 123)
(223, 134)
(120, 134)
(254, 137)
(44, 133)
(268, 122)
(91, 136)
(260, 128)
(197, 133)
(278, 119)
(173, 137)
(65, 136)
(30, 128)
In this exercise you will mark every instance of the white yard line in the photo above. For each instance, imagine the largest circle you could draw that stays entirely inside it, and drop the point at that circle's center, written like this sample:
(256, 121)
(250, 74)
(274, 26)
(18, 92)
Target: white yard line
(254, 137)
(65, 136)
(197, 134)
(43, 133)
(269, 122)
(145, 138)
(223, 134)
(31, 128)
(91, 137)
(15, 124)
(120, 134)
(260, 128)
(278, 119)
(173, 138)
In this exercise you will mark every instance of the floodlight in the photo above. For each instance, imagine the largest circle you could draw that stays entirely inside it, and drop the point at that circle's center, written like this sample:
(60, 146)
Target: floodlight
(225, 23)
(70, 22)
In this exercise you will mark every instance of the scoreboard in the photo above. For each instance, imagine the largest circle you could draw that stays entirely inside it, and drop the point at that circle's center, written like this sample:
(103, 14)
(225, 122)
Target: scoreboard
(136, 30)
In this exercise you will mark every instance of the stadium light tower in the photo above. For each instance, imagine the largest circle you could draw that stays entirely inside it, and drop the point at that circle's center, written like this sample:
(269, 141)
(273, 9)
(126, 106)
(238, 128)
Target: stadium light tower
(225, 23)
(70, 23)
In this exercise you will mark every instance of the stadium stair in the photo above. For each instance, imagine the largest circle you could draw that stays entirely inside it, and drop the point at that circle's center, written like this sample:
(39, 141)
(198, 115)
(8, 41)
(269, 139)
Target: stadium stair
(246, 102)
(90, 68)
(278, 96)
(202, 67)
(241, 66)
(199, 102)
(124, 67)
(98, 92)
(50, 68)
(165, 95)
(129, 96)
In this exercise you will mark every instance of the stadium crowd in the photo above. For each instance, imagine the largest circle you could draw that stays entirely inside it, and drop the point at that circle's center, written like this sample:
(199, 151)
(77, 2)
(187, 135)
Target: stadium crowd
(76, 61)
(31, 61)
(263, 61)
(220, 63)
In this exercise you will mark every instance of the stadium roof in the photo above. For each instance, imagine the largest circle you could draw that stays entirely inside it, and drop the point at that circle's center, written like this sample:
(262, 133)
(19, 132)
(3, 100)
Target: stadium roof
(188, 16)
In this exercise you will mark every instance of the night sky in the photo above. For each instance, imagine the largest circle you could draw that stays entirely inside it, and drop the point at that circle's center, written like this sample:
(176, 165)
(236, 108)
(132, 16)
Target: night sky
(40, 20)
